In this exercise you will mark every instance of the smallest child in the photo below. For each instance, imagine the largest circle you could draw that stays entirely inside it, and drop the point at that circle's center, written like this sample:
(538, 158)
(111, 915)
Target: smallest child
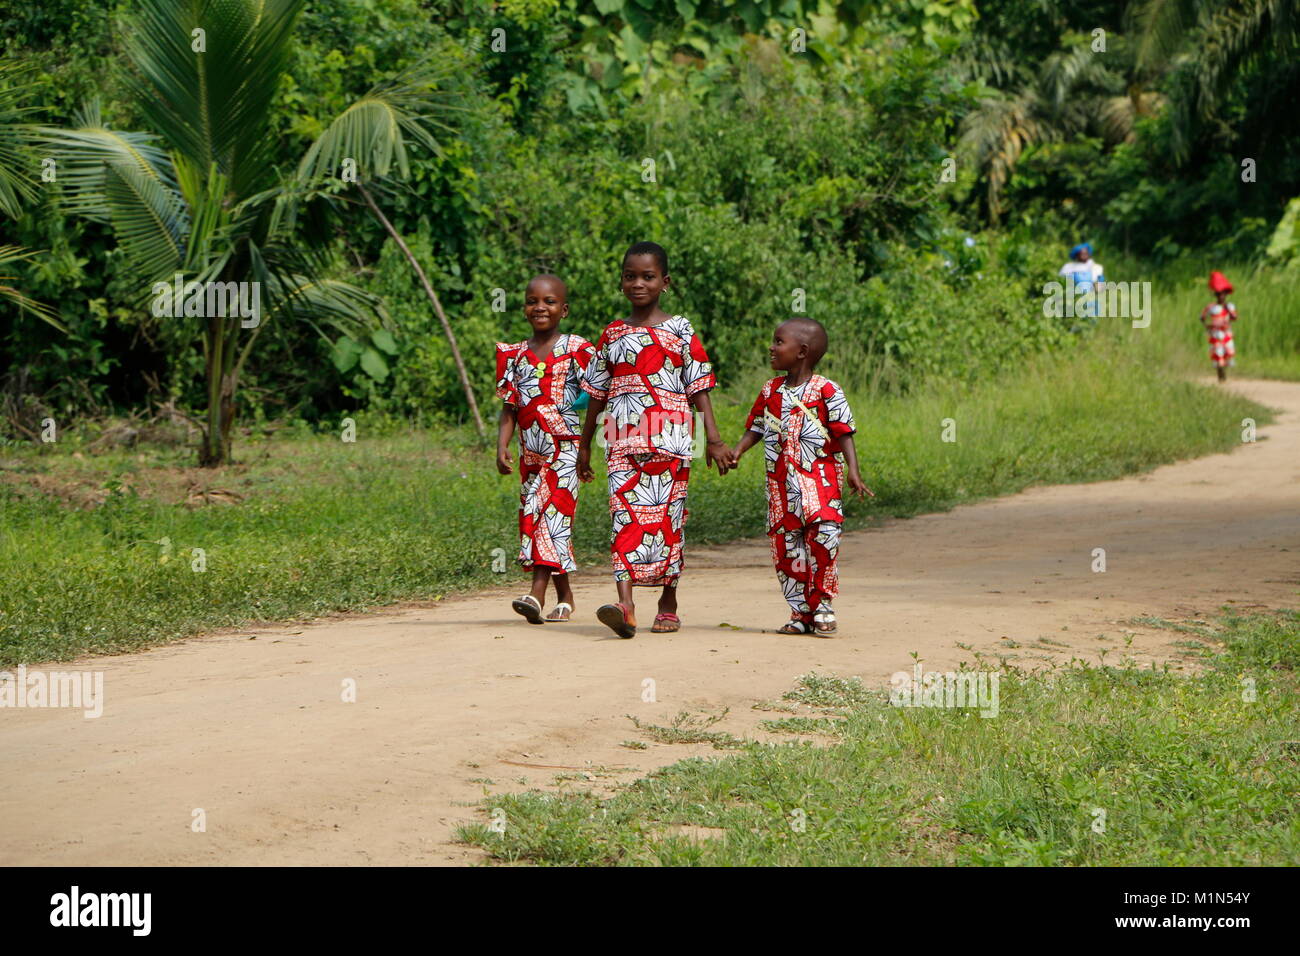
(1217, 317)
(807, 429)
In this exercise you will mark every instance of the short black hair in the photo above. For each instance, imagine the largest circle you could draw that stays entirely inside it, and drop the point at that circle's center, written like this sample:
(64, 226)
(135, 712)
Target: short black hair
(553, 278)
(648, 249)
(812, 334)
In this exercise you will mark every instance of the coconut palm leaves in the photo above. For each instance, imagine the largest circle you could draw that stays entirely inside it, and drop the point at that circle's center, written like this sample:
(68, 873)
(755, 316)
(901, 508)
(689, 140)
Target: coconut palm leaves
(368, 142)
(16, 186)
(197, 195)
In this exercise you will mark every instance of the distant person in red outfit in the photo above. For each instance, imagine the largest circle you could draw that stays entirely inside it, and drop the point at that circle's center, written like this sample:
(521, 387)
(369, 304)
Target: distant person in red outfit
(1217, 317)
(539, 382)
(652, 373)
(806, 427)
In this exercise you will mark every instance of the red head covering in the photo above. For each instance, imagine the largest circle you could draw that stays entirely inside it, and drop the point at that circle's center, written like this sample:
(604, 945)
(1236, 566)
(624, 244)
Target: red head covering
(1219, 282)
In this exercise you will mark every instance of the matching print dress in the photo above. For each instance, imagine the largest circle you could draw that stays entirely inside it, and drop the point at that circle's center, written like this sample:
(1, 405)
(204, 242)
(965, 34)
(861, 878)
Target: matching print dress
(543, 390)
(801, 428)
(648, 375)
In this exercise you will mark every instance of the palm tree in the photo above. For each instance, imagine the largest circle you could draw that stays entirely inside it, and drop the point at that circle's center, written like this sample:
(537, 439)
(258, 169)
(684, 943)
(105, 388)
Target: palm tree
(16, 185)
(199, 197)
(1075, 91)
(372, 133)
(1212, 43)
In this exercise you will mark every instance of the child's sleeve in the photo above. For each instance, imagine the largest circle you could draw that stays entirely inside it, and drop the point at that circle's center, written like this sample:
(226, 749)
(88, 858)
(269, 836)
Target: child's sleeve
(697, 370)
(595, 378)
(757, 421)
(506, 389)
(839, 417)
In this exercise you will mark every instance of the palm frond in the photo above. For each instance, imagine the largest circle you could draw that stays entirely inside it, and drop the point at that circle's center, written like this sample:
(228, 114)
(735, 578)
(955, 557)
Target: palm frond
(373, 131)
(996, 134)
(213, 105)
(25, 304)
(1163, 29)
(124, 179)
(17, 187)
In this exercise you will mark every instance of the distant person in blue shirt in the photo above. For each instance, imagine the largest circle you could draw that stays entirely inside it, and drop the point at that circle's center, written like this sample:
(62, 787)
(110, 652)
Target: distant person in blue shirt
(1087, 275)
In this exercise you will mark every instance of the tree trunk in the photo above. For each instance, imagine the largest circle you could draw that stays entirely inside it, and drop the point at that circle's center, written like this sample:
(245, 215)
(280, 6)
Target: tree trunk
(222, 381)
(437, 307)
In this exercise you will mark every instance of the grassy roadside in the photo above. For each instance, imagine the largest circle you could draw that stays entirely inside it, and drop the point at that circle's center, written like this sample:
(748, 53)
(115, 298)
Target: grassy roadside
(1267, 336)
(1081, 766)
(322, 525)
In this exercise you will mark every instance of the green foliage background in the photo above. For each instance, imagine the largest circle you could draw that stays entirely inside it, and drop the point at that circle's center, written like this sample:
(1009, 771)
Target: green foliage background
(783, 160)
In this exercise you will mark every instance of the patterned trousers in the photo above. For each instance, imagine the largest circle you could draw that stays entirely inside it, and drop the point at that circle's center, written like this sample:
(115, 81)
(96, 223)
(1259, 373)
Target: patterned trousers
(805, 566)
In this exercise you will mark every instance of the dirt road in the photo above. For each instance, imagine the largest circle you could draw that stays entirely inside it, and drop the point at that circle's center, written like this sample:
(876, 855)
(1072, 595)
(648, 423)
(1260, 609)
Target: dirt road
(250, 727)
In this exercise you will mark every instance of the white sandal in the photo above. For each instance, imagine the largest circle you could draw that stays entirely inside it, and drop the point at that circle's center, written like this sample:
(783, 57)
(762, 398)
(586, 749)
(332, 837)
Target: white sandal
(529, 607)
(824, 622)
(561, 607)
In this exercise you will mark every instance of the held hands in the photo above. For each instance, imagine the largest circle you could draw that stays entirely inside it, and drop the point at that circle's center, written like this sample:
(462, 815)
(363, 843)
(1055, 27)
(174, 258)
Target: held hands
(504, 464)
(717, 452)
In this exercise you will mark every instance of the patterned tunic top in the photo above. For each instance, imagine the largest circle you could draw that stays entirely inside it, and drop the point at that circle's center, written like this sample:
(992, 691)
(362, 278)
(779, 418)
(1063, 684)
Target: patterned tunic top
(648, 375)
(801, 429)
(543, 390)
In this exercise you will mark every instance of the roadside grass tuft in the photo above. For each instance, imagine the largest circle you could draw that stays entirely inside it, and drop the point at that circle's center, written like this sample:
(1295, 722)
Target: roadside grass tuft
(1084, 766)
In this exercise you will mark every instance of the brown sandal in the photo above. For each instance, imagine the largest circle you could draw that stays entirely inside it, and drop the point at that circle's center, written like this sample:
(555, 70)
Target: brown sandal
(666, 624)
(615, 617)
(794, 626)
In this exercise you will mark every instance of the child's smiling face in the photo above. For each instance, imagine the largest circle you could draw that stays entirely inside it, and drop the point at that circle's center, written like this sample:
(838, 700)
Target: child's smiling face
(545, 303)
(787, 347)
(643, 282)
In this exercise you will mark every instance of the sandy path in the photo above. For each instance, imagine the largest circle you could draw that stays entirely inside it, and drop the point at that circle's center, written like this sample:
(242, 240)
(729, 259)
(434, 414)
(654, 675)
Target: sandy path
(254, 731)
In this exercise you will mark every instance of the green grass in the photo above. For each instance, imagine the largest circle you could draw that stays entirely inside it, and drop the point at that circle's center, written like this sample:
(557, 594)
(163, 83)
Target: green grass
(1188, 771)
(326, 526)
(1266, 336)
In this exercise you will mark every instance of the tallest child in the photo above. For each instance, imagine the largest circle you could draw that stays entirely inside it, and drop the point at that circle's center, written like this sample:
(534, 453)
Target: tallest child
(649, 370)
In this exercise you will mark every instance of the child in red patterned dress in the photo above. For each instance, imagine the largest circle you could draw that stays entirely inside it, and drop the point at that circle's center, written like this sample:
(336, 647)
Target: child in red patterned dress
(539, 380)
(1217, 317)
(806, 427)
(651, 370)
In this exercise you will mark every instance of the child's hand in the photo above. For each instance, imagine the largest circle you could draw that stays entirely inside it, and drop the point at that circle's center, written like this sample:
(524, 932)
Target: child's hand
(733, 460)
(584, 463)
(719, 453)
(504, 464)
(859, 488)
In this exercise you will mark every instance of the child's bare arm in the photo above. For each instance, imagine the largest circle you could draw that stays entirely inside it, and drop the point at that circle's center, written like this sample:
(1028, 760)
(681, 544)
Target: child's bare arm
(716, 452)
(505, 431)
(851, 468)
(595, 406)
(747, 441)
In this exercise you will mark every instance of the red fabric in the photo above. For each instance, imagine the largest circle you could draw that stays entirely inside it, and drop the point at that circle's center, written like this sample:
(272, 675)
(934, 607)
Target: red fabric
(647, 502)
(648, 375)
(542, 392)
(1219, 282)
(805, 561)
(803, 456)
(1218, 320)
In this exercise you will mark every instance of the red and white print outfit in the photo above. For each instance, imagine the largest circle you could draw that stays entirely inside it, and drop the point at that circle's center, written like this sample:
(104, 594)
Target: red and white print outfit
(543, 390)
(801, 428)
(1218, 320)
(648, 375)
